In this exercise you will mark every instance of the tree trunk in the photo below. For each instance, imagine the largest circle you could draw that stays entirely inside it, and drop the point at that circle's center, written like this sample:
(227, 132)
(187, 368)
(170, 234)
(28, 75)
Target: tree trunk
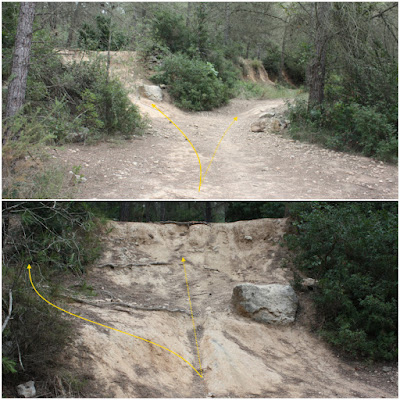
(20, 64)
(283, 50)
(125, 211)
(317, 67)
(109, 48)
(247, 49)
(53, 16)
(220, 211)
(227, 23)
(208, 212)
(162, 211)
(188, 13)
(73, 24)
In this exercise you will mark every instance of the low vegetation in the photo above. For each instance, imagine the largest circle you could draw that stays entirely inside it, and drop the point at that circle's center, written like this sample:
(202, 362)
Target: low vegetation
(59, 240)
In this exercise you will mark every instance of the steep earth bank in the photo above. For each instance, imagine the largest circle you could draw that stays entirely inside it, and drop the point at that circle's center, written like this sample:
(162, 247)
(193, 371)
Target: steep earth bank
(141, 289)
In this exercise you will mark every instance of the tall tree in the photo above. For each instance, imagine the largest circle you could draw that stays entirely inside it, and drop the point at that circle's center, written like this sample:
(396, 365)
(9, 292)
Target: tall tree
(125, 211)
(227, 29)
(317, 66)
(21, 56)
(73, 24)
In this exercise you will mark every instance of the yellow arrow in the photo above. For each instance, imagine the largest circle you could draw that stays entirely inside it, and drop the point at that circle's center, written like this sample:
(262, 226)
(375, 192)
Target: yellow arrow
(172, 122)
(234, 119)
(109, 327)
(191, 312)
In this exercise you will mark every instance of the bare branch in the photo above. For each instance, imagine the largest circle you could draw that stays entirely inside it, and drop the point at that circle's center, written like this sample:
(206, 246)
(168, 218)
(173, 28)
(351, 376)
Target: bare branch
(9, 311)
(384, 11)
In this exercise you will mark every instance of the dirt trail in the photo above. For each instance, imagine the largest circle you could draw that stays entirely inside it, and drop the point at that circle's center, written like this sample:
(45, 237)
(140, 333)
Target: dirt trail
(163, 165)
(240, 357)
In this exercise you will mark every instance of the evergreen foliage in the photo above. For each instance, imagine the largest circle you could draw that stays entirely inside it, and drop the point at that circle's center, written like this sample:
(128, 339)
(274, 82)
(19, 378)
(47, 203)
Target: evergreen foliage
(97, 37)
(58, 239)
(193, 83)
(351, 249)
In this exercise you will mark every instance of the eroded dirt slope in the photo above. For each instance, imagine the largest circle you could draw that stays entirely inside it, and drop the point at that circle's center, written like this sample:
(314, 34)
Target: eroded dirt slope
(140, 286)
(248, 165)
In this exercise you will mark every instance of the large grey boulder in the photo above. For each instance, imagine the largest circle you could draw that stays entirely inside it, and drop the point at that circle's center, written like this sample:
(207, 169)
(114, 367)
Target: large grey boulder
(269, 304)
(152, 92)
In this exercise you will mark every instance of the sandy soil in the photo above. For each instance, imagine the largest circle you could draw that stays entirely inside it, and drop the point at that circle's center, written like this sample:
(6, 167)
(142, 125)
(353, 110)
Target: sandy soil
(163, 165)
(240, 357)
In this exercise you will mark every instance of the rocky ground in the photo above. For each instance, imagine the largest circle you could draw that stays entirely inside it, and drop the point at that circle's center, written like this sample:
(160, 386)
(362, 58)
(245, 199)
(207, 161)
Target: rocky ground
(139, 287)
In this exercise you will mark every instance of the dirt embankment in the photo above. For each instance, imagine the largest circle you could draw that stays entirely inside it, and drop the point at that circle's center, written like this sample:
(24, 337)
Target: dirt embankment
(140, 286)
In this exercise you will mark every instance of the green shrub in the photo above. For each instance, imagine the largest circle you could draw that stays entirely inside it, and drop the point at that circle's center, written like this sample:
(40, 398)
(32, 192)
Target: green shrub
(348, 127)
(76, 97)
(193, 83)
(256, 64)
(57, 239)
(169, 29)
(227, 71)
(296, 62)
(272, 61)
(258, 90)
(351, 248)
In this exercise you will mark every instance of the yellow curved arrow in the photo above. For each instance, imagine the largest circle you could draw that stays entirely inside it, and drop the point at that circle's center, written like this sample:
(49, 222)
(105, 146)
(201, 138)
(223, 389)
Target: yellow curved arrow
(109, 327)
(191, 312)
(177, 127)
(212, 158)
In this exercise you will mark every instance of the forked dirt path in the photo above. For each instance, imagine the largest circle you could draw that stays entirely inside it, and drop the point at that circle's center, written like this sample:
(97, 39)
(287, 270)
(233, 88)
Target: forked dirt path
(248, 165)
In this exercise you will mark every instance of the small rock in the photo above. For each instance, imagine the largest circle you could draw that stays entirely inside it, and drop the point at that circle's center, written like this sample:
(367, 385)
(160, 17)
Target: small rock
(267, 115)
(309, 283)
(258, 126)
(386, 369)
(276, 125)
(249, 238)
(163, 86)
(27, 389)
(210, 395)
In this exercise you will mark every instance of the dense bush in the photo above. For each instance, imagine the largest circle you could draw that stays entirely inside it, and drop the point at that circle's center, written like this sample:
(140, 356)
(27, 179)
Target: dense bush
(170, 30)
(296, 63)
(193, 83)
(349, 127)
(272, 61)
(65, 99)
(56, 238)
(227, 71)
(97, 37)
(194, 66)
(351, 249)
